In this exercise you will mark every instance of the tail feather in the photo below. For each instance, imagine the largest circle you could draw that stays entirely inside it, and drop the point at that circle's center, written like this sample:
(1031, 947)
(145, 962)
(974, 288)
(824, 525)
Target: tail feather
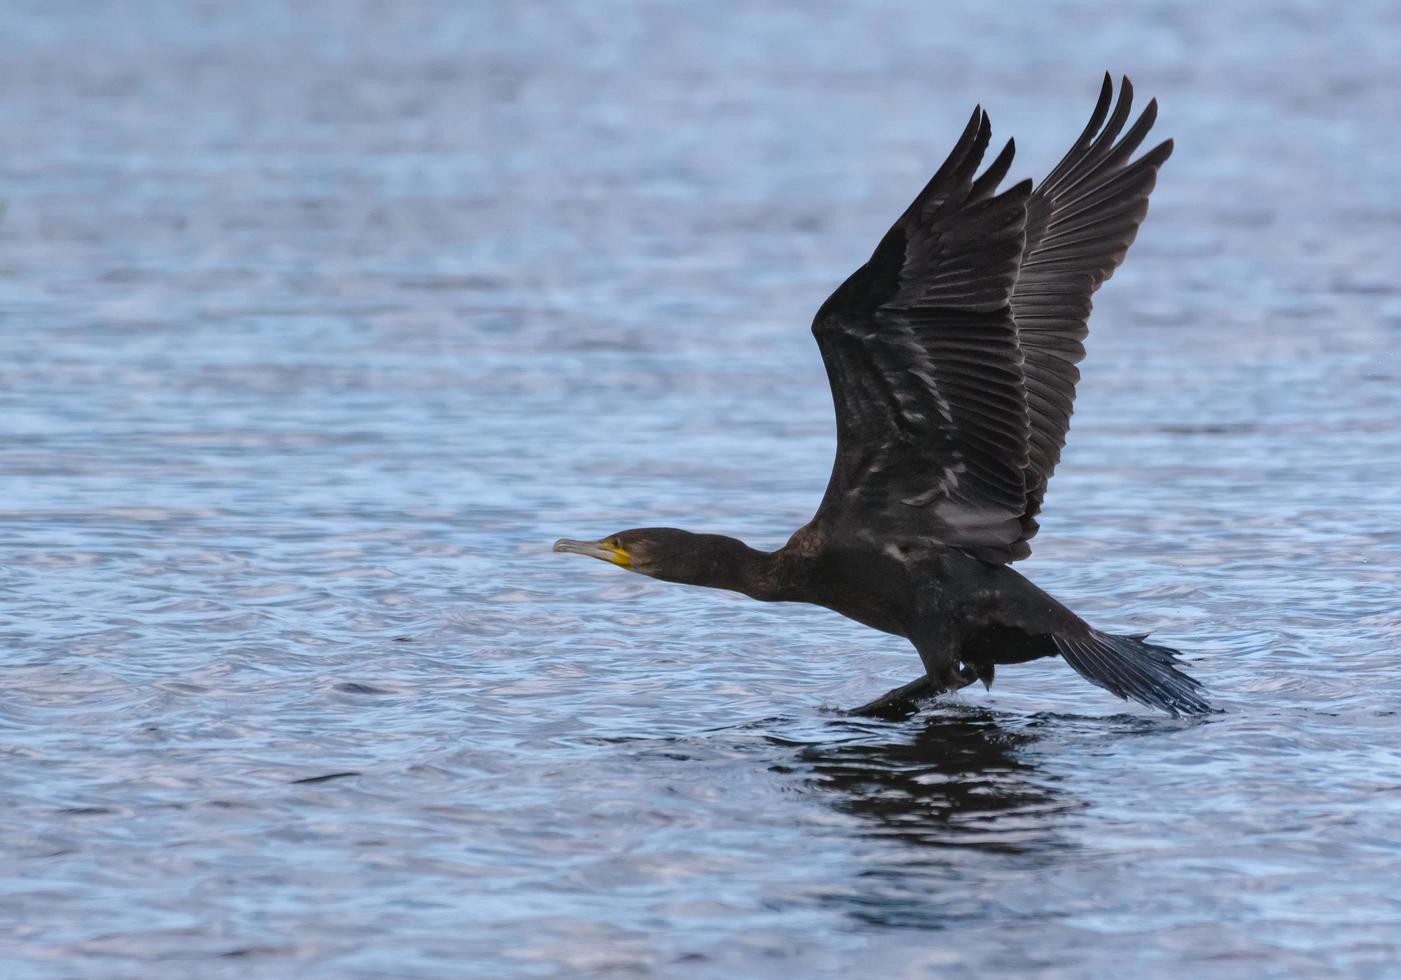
(1129, 667)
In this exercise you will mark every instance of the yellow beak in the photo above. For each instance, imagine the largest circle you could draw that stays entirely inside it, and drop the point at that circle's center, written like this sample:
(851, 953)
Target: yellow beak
(601, 550)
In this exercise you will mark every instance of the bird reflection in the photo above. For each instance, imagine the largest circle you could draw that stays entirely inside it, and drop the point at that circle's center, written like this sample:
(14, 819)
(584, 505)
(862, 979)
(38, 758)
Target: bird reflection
(961, 780)
(958, 800)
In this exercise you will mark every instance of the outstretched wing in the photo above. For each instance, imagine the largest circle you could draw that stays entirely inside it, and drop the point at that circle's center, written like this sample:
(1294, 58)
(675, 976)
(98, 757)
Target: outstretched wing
(926, 373)
(1080, 224)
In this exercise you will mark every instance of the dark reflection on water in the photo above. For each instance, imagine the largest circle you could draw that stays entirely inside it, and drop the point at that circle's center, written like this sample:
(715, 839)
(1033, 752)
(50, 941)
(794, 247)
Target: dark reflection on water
(959, 781)
(320, 321)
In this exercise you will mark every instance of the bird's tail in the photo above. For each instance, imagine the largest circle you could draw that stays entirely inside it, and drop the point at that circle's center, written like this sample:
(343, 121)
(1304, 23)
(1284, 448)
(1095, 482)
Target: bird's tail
(1132, 668)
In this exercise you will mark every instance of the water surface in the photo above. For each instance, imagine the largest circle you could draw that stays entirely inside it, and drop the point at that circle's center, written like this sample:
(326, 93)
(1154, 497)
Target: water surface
(319, 322)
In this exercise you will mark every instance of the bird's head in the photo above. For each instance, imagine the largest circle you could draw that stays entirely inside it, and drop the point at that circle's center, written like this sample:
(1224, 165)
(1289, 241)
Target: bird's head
(666, 553)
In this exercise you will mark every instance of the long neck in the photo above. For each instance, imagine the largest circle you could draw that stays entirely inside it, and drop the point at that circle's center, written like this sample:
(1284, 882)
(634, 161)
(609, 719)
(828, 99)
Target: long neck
(727, 563)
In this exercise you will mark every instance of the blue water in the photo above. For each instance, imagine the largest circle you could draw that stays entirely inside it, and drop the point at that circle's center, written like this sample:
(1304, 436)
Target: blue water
(319, 322)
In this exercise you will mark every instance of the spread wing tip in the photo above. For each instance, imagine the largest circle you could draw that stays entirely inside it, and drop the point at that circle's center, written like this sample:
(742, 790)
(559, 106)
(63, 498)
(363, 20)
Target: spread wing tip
(1082, 220)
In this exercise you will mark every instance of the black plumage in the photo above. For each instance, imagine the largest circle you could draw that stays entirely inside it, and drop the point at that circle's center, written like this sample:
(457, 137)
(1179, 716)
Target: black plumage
(951, 355)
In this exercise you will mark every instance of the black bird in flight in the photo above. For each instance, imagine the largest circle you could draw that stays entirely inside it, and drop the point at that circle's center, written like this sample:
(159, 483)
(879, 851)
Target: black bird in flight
(951, 354)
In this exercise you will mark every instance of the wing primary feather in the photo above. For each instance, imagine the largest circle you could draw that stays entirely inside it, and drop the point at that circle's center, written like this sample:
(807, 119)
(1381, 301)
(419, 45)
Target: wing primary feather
(1087, 154)
(986, 185)
(1104, 142)
(1119, 154)
(1106, 96)
(1094, 201)
(961, 148)
(969, 164)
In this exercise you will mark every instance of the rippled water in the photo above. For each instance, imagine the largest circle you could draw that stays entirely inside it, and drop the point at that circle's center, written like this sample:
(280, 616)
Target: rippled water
(318, 323)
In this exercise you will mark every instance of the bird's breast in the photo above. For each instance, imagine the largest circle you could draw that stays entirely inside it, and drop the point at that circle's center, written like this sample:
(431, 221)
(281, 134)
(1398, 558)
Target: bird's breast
(873, 589)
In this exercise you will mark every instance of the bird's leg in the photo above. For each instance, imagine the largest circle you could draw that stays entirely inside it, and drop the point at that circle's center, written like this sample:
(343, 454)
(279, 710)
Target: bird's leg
(904, 701)
(899, 703)
(941, 650)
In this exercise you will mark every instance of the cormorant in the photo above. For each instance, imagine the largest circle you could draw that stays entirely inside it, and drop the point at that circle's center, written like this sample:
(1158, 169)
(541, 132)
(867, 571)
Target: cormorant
(951, 355)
